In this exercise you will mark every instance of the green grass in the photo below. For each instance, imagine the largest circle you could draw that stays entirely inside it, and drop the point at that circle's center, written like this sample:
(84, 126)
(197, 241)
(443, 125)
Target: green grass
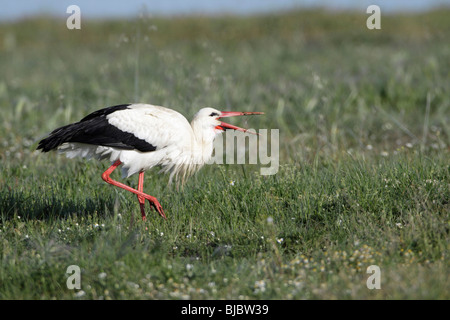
(364, 153)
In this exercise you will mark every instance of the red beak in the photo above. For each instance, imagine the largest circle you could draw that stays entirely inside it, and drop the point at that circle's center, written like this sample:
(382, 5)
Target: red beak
(224, 126)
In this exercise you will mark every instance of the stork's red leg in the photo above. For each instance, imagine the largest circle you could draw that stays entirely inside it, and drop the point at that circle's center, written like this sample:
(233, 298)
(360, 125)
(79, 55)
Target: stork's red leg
(140, 198)
(153, 201)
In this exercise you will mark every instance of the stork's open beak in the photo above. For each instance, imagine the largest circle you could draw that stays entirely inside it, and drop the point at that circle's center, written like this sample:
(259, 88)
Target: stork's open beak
(224, 126)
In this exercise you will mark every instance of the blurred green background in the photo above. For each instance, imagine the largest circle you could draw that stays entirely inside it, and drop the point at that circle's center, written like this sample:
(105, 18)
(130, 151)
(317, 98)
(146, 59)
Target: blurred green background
(364, 153)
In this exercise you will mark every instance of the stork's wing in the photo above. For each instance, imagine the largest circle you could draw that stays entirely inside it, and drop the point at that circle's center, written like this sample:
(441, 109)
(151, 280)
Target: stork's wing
(130, 127)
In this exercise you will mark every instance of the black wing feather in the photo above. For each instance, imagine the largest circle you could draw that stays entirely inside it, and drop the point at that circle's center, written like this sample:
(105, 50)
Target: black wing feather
(105, 111)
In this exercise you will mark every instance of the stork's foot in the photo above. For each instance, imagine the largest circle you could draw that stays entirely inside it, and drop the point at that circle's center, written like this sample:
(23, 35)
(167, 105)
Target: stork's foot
(154, 203)
(142, 205)
(157, 206)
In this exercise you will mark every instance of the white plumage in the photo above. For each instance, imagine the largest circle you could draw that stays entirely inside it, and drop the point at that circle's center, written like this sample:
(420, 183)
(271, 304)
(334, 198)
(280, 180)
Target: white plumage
(142, 136)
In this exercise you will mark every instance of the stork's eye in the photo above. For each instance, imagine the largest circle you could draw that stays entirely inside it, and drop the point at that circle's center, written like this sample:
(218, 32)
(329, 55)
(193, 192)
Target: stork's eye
(214, 114)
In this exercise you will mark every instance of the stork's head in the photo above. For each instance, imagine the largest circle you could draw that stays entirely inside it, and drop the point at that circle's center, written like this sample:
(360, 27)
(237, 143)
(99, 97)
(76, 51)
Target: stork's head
(206, 125)
(209, 120)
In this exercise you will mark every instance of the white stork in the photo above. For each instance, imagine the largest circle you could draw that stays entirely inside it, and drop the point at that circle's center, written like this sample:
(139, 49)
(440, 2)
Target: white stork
(141, 136)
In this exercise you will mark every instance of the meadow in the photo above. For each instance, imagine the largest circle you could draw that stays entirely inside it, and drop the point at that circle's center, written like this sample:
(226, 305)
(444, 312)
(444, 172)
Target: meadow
(364, 176)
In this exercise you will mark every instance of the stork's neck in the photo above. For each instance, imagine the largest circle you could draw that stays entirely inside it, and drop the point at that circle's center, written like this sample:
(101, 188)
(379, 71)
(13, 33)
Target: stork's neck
(203, 141)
